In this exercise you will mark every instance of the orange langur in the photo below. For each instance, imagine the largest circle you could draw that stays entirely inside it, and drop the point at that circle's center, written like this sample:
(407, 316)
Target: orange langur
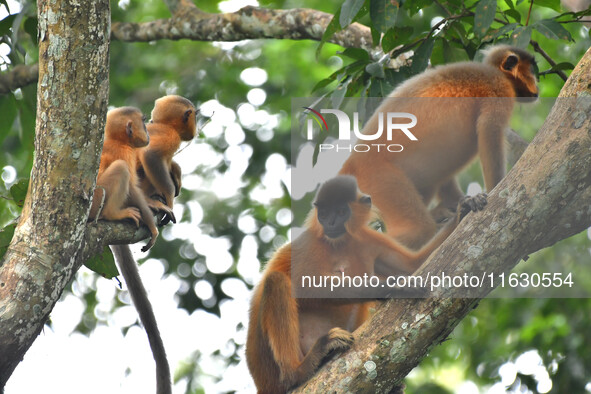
(125, 132)
(462, 110)
(288, 337)
(173, 121)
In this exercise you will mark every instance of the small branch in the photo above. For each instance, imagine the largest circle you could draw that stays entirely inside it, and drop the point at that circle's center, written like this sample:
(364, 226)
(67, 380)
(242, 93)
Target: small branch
(579, 19)
(442, 7)
(103, 233)
(18, 77)
(549, 72)
(531, 4)
(539, 50)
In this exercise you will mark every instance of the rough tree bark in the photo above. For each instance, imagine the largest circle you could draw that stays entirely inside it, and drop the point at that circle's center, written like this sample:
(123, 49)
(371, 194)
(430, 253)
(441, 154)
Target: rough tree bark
(188, 22)
(544, 199)
(72, 99)
(247, 23)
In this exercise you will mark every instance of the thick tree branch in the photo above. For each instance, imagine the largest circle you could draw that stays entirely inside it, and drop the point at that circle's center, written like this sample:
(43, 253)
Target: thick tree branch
(71, 106)
(247, 23)
(545, 198)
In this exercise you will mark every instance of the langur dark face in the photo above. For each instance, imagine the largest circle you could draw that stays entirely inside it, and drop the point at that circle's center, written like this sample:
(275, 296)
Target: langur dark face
(333, 219)
(332, 204)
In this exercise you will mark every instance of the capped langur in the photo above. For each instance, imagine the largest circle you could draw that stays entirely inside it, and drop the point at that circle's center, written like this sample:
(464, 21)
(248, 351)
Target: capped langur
(288, 337)
(462, 110)
(117, 181)
(117, 187)
(173, 121)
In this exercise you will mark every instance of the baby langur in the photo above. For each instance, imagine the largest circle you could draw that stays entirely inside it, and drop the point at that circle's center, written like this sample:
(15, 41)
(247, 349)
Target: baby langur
(125, 132)
(173, 121)
(289, 337)
(462, 110)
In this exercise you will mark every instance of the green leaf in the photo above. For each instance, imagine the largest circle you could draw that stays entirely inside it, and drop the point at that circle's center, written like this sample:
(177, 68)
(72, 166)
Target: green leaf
(30, 26)
(349, 11)
(452, 54)
(563, 66)
(496, 33)
(514, 14)
(6, 24)
(552, 30)
(8, 113)
(521, 36)
(379, 88)
(356, 53)
(103, 264)
(5, 237)
(339, 93)
(355, 67)
(396, 36)
(375, 36)
(356, 84)
(458, 32)
(420, 59)
(332, 27)
(437, 53)
(553, 4)
(375, 70)
(395, 78)
(383, 14)
(484, 16)
(322, 83)
(458, 4)
(348, 69)
(27, 112)
(18, 191)
(416, 5)
(510, 4)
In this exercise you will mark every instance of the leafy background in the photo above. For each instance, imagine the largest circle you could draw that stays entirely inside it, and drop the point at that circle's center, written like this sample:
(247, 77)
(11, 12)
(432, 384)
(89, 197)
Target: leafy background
(235, 205)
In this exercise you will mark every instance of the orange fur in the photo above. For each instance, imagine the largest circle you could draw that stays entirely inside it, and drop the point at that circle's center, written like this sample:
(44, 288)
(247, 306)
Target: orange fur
(462, 110)
(173, 121)
(125, 133)
(288, 337)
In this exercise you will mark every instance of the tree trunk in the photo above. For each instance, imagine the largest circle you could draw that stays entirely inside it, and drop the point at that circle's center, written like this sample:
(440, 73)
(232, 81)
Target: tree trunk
(544, 199)
(72, 99)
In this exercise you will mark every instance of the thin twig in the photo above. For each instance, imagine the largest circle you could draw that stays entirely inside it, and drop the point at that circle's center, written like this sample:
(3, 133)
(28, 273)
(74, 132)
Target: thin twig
(531, 4)
(539, 50)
